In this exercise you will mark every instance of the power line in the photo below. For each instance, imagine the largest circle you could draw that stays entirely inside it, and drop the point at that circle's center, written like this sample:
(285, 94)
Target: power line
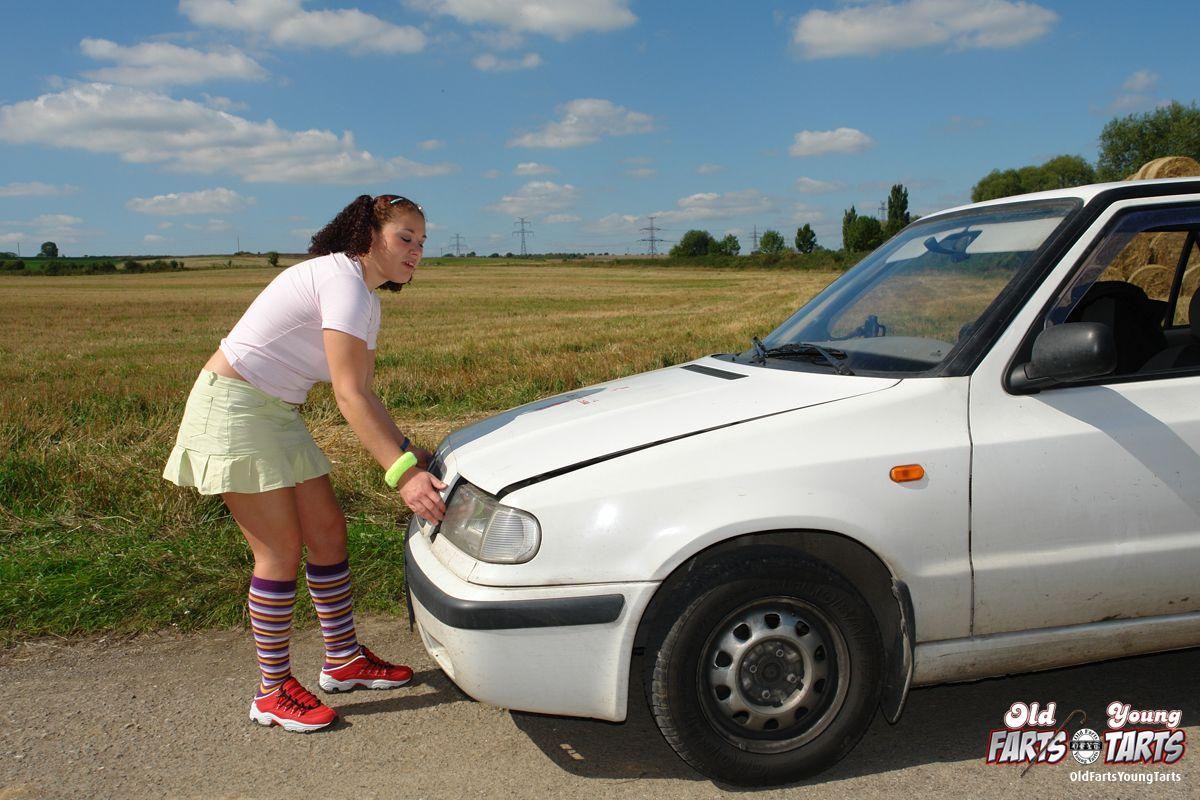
(652, 239)
(754, 238)
(523, 233)
(458, 246)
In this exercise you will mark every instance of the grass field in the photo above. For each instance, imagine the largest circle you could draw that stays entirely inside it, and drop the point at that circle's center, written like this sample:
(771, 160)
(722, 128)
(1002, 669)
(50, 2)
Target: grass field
(96, 369)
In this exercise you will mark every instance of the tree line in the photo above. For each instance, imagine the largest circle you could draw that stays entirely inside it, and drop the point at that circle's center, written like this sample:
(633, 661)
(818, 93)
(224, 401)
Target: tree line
(1126, 143)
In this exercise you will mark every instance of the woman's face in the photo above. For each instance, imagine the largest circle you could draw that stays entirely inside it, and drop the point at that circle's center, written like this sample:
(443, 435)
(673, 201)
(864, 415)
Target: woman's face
(399, 245)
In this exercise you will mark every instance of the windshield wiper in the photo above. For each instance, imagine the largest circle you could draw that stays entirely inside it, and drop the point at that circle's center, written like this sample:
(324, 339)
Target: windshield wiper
(809, 351)
(760, 352)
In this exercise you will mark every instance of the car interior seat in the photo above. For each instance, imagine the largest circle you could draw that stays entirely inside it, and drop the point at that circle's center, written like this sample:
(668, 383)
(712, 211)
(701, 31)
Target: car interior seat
(1183, 355)
(1134, 320)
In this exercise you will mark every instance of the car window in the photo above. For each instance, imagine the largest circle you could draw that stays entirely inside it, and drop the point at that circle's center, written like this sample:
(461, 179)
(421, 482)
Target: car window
(906, 308)
(1139, 280)
(1150, 261)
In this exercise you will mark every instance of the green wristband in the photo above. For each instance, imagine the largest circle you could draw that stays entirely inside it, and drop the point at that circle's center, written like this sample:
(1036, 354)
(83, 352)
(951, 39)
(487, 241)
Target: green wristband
(396, 471)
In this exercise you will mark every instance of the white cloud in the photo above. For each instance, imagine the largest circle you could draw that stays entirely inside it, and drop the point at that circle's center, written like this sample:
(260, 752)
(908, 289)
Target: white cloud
(537, 198)
(492, 174)
(212, 226)
(56, 221)
(431, 144)
(713, 205)
(554, 219)
(60, 228)
(560, 19)
(1135, 93)
(206, 201)
(870, 29)
(222, 103)
(814, 186)
(487, 62)
(146, 127)
(36, 189)
(615, 223)
(641, 172)
(709, 169)
(533, 168)
(285, 22)
(585, 121)
(802, 213)
(842, 140)
(164, 64)
(1141, 81)
(162, 226)
(153, 238)
(499, 40)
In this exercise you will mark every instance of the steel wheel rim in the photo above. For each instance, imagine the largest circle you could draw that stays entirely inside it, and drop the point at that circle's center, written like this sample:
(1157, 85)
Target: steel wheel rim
(773, 675)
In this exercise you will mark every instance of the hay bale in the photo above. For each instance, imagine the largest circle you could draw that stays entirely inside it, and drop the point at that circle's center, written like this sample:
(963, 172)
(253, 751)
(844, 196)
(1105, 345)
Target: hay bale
(1167, 167)
(1154, 280)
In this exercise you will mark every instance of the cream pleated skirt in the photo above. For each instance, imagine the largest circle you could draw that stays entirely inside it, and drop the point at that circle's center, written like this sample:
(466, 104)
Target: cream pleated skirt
(236, 438)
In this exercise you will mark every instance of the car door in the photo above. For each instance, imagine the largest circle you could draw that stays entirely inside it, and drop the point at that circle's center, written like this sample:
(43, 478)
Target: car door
(1086, 498)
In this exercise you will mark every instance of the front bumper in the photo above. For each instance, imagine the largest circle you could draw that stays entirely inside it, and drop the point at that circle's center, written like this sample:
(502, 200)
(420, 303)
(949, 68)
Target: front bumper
(552, 650)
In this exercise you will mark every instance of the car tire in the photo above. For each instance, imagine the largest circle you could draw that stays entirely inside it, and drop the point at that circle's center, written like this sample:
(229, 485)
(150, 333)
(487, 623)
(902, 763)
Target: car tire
(767, 670)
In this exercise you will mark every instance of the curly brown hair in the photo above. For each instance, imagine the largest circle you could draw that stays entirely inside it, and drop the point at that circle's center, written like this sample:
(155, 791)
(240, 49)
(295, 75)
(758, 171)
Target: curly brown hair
(351, 230)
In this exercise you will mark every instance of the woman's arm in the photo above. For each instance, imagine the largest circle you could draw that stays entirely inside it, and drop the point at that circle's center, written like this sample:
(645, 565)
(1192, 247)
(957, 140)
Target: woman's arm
(351, 369)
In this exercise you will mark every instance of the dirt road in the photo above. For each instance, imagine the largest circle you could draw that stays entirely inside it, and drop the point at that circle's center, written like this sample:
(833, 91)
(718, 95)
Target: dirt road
(166, 716)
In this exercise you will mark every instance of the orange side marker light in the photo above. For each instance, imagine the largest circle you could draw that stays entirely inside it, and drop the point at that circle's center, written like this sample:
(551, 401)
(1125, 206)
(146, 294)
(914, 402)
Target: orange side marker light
(907, 472)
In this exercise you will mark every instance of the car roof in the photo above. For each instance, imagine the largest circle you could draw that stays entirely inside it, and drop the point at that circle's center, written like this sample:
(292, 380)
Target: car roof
(1085, 193)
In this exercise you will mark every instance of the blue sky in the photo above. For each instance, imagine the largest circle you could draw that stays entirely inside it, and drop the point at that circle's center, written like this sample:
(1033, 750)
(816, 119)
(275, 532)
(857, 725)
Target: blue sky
(195, 126)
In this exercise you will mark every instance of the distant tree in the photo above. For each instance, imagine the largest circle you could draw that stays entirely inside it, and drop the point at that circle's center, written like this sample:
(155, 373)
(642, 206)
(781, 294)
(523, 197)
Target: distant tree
(1063, 171)
(1057, 173)
(897, 211)
(1126, 143)
(848, 218)
(694, 243)
(49, 250)
(729, 246)
(494, 255)
(806, 239)
(865, 233)
(508, 255)
(471, 254)
(273, 258)
(771, 242)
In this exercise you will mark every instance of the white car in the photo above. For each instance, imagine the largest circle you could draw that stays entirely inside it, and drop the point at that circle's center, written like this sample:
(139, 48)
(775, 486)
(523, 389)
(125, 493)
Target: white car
(974, 454)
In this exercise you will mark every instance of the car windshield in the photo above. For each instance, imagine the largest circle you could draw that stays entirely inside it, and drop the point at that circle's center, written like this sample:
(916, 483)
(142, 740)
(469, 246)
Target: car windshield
(905, 308)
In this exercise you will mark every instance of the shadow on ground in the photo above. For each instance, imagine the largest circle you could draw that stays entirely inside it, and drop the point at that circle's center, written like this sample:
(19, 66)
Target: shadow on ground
(940, 724)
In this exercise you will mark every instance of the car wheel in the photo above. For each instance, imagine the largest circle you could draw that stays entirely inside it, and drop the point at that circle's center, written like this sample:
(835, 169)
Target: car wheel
(769, 671)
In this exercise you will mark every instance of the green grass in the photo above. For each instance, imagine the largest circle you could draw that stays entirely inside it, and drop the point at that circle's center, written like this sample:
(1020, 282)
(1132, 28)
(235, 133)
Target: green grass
(96, 369)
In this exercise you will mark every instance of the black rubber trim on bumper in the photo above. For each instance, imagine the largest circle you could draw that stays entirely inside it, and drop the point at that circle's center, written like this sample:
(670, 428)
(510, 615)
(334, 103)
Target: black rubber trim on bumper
(495, 615)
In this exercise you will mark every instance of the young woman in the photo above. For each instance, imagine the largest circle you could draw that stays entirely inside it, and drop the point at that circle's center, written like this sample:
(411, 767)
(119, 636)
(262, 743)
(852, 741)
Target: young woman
(242, 437)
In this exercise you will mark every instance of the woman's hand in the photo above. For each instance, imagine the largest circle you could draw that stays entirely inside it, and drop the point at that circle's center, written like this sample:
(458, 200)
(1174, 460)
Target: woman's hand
(419, 490)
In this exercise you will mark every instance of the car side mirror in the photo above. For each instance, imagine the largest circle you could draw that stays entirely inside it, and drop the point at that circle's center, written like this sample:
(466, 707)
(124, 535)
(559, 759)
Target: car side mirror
(1072, 351)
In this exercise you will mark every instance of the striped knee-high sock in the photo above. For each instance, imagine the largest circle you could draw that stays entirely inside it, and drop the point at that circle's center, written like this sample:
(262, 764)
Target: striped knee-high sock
(271, 604)
(334, 602)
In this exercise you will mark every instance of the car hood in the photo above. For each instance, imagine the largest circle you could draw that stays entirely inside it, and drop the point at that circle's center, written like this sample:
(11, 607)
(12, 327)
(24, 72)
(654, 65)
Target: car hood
(571, 430)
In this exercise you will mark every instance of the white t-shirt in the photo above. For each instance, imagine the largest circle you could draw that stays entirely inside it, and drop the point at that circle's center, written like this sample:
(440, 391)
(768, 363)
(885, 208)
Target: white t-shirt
(277, 345)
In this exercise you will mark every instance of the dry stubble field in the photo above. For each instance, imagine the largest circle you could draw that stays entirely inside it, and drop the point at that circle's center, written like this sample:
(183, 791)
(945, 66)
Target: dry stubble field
(95, 371)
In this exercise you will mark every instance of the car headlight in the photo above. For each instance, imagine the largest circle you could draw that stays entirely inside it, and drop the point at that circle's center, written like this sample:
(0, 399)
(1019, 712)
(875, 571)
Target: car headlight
(481, 526)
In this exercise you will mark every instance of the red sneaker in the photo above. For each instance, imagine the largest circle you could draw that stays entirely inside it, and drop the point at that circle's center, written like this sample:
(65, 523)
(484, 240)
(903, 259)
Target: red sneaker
(293, 708)
(366, 671)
